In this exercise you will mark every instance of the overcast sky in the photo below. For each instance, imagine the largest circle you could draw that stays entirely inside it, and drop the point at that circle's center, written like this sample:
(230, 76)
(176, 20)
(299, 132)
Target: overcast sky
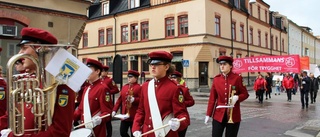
(302, 12)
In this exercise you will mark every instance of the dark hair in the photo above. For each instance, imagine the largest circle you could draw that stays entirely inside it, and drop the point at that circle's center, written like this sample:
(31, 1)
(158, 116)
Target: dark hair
(170, 69)
(96, 68)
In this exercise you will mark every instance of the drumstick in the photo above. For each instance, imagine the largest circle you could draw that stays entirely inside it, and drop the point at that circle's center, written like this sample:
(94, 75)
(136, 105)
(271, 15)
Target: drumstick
(90, 121)
(153, 130)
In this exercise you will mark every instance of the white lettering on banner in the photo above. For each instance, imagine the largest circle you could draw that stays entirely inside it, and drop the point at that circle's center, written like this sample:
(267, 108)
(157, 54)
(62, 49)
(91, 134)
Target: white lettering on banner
(253, 68)
(264, 59)
(270, 68)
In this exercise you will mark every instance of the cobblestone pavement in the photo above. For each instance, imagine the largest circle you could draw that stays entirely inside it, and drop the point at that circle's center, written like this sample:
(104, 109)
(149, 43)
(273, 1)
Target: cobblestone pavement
(274, 118)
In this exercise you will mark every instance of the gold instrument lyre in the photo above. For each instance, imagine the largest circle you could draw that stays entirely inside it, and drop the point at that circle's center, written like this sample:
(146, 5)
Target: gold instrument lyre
(128, 100)
(232, 91)
(37, 91)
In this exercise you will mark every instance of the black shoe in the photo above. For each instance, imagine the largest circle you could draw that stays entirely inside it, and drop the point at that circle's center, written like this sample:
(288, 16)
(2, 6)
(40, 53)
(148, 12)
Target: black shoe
(311, 102)
(278, 93)
(269, 96)
(275, 94)
(266, 98)
(290, 100)
(302, 107)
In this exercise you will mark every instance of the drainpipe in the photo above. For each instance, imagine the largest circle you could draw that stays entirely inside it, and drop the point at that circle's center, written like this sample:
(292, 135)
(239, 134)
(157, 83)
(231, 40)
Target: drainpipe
(248, 45)
(271, 44)
(301, 43)
(115, 34)
(231, 54)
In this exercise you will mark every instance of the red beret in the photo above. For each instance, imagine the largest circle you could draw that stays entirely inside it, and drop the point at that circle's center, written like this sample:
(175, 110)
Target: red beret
(133, 73)
(159, 56)
(224, 59)
(176, 74)
(92, 62)
(37, 35)
(105, 68)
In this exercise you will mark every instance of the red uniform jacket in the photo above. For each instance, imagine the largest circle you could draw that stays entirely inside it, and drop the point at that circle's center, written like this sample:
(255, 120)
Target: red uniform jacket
(99, 101)
(219, 95)
(62, 118)
(187, 98)
(122, 100)
(3, 100)
(167, 94)
(288, 83)
(79, 95)
(110, 84)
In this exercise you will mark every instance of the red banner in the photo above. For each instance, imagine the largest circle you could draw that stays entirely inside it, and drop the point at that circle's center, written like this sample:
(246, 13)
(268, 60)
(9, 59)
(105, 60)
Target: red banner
(287, 63)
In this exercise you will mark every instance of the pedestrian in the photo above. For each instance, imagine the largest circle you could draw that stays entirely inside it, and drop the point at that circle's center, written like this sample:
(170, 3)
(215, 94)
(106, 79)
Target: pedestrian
(63, 105)
(304, 89)
(95, 102)
(227, 92)
(113, 89)
(161, 101)
(278, 85)
(314, 87)
(188, 99)
(260, 87)
(288, 83)
(296, 83)
(268, 85)
(129, 102)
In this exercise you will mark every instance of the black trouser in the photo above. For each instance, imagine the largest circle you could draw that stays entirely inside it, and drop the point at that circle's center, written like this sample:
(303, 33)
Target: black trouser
(124, 126)
(315, 95)
(312, 95)
(182, 133)
(304, 98)
(109, 129)
(231, 128)
(260, 95)
(289, 94)
(268, 93)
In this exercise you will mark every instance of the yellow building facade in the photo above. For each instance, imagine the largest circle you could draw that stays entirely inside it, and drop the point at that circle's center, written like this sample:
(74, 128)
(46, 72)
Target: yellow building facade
(195, 30)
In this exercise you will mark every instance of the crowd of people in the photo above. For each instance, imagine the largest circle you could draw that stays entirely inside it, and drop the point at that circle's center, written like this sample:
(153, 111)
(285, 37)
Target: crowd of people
(291, 83)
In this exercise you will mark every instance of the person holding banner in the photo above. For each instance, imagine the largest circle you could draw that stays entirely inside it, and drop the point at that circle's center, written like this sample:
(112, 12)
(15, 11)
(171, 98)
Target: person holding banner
(161, 110)
(305, 89)
(95, 102)
(63, 112)
(226, 94)
(129, 102)
(288, 85)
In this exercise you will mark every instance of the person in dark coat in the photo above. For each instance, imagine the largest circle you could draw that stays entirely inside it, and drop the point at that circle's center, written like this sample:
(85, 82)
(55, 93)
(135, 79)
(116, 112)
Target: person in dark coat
(304, 90)
(268, 85)
(314, 87)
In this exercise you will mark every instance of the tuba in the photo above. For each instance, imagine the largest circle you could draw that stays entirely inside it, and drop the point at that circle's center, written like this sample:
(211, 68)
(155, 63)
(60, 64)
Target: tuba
(36, 91)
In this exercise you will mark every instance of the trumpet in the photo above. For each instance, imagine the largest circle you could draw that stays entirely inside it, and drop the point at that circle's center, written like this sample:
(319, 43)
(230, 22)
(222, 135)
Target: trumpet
(128, 101)
(232, 91)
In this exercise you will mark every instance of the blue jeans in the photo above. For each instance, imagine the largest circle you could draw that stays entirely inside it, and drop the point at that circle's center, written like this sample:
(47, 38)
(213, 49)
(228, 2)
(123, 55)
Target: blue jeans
(277, 89)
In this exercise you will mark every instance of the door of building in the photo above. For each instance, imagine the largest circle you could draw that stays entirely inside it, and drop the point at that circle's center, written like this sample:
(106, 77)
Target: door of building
(203, 73)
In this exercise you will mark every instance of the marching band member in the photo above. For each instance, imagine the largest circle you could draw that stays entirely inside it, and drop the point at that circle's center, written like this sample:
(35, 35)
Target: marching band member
(95, 101)
(159, 101)
(221, 95)
(3, 88)
(129, 102)
(113, 89)
(187, 98)
(63, 110)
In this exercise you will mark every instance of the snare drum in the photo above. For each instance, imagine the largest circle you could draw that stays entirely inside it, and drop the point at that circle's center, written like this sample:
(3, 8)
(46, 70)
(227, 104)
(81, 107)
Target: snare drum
(83, 132)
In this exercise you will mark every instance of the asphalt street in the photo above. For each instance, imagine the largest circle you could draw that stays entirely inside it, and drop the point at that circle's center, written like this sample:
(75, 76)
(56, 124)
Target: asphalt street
(274, 118)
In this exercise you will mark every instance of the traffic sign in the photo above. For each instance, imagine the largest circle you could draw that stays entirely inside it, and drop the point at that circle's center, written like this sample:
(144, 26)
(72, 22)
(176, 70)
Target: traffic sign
(185, 63)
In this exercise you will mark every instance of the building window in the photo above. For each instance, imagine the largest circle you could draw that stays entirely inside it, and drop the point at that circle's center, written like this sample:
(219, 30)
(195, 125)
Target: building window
(109, 63)
(144, 31)
(124, 63)
(273, 20)
(84, 60)
(183, 25)
(124, 34)
(85, 40)
(102, 60)
(306, 52)
(266, 40)
(271, 42)
(276, 43)
(176, 61)
(101, 37)
(266, 15)
(237, 4)
(105, 8)
(241, 33)
(134, 32)
(222, 53)
(134, 3)
(233, 26)
(217, 25)
(238, 55)
(144, 63)
(169, 27)
(11, 50)
(133, 62)
(259, 13)
(109, 36)
(282, 45)
(251, 36)
(259, 38)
